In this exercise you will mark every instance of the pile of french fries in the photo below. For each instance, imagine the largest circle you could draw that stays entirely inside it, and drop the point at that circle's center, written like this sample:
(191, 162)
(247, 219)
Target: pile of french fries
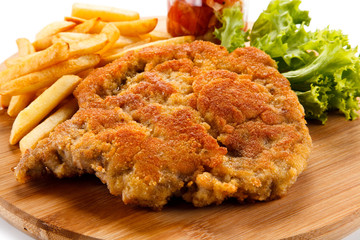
(37, 84)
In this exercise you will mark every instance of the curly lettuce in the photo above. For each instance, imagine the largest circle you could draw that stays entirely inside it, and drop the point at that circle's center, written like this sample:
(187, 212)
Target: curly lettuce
(231, 32)
(279, 29)
(321, 66)
(323, 69)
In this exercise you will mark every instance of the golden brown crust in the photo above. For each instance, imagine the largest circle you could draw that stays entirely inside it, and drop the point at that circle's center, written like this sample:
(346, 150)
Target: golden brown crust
(185, 120)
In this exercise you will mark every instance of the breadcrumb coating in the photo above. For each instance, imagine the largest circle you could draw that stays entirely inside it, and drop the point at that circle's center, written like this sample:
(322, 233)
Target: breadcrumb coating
(189, 120)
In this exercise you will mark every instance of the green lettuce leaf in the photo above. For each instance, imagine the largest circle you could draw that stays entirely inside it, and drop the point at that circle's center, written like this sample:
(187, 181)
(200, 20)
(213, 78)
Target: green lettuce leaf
(276, 31)
(321, 66)
(315, 102)
(231, 32)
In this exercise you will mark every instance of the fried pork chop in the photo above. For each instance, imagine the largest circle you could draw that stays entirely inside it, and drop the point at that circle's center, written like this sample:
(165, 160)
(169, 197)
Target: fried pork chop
(189, 120)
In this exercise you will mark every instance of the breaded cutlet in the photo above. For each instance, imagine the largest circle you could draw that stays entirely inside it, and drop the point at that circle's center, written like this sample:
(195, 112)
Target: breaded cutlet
(189, 120)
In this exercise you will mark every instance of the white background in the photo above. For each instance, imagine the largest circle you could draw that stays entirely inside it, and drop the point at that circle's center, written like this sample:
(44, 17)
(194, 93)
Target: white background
(25, 18)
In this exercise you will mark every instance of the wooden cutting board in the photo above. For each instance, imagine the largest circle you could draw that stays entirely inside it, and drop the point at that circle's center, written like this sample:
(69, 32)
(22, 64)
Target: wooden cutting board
(324, 203)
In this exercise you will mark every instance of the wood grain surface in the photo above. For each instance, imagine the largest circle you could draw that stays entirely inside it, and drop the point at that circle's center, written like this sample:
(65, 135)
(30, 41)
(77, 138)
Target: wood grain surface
(324, 203)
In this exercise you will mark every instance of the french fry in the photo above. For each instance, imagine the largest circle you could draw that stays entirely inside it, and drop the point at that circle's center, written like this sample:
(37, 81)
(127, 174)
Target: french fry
(137, 27)
(118, 50)
(125, 41)
(43, 129)
(131, 28)
(44, 38)
(44, 78)
(98, 27)
(4, 101)
(91, 45)
(43, 43)
(107, 14)
(87, 26)
(53, 28)
(74, 46)
(18, 103)
(156, 35)
(11, 61)
(71, 36)
(176, 40)
(42, 106)
(25, 47)
(74, 19)
(36, 61)
(112, 34)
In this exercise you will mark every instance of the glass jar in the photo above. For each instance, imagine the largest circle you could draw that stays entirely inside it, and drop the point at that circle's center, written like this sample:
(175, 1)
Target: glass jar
(196, 17)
